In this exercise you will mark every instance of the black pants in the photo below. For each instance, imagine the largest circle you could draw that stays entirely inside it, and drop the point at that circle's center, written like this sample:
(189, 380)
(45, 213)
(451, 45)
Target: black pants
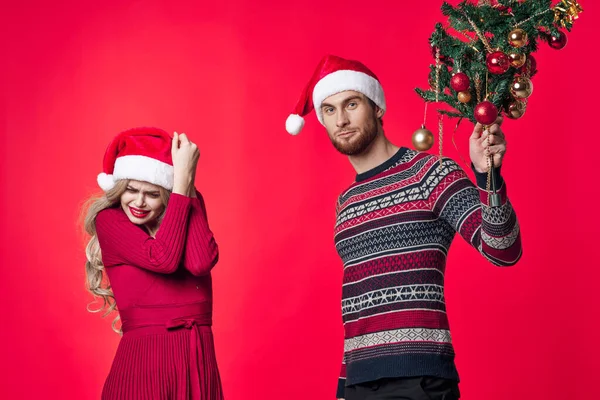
(418, 388)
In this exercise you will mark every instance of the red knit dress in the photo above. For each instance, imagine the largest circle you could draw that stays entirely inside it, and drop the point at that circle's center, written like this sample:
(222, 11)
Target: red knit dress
(163, 290)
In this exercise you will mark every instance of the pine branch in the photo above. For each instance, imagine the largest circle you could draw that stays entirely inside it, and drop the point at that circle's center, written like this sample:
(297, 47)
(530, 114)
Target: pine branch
(481, 29)
(452, 114)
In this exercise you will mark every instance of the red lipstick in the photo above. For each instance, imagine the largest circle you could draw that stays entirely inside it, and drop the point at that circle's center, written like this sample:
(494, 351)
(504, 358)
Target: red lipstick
(138, 213)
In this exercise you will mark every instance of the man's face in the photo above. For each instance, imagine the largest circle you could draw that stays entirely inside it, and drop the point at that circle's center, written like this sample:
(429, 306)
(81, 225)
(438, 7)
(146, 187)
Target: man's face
(351, 121)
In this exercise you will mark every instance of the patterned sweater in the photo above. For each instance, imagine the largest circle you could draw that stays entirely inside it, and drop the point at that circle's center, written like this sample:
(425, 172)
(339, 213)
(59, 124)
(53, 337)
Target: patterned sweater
(393, 230)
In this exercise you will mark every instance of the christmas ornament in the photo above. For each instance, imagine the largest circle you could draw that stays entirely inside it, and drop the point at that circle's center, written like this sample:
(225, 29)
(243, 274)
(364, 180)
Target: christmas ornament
(517, 60)
(464, 97)
(530, 67)
(422, 139)
(566, 12)
(497, 62)
(558, 43)
(516, 109)
(517, 38)
(486, 113)
(460, 82)
(521, 88)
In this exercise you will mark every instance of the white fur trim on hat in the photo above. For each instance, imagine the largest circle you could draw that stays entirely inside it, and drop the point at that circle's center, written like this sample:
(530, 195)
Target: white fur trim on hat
(142, 168)
(294, 124)
(343, 80)
(105, 181)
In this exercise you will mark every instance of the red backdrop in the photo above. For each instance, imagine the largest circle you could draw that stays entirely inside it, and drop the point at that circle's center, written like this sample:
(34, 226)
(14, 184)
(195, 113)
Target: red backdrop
(227, 74)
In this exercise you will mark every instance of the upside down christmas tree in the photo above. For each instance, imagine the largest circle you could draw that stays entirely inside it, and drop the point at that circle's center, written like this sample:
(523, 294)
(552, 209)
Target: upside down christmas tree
(484, 61)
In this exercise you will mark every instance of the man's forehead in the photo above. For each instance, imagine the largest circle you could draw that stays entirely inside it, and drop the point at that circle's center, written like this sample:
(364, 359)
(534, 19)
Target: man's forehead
(342, 96)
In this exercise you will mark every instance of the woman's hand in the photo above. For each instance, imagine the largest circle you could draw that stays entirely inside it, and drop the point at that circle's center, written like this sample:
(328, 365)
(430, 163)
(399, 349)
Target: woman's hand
(185, 156)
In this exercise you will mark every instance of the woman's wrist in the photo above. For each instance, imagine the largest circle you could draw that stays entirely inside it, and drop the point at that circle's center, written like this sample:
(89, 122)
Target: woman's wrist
(183, 185)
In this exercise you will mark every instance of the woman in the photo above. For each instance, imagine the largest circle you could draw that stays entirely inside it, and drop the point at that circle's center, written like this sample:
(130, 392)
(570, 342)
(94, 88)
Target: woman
(150, 239)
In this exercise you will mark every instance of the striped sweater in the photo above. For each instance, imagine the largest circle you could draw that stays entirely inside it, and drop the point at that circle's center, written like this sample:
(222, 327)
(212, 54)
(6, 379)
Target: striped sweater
(394, 227)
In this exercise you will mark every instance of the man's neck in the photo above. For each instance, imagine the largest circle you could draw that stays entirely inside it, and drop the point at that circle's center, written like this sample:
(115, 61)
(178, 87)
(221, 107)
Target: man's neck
(376, 154)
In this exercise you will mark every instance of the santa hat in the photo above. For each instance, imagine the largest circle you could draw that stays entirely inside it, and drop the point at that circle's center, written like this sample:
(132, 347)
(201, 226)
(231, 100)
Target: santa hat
(142, 154)
(334, 75)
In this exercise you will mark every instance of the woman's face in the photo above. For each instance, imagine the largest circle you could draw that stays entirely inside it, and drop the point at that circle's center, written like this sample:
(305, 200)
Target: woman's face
(142, 203)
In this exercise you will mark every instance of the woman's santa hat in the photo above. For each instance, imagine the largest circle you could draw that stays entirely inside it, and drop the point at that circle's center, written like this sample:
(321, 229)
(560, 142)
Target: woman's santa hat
(334, 75)
(141, 154)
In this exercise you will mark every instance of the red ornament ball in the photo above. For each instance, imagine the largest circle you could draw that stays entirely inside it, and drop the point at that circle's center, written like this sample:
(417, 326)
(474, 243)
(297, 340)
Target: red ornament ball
(486, 113)
(460, 82)
(530, 67)
(559, 42)
(498, 62)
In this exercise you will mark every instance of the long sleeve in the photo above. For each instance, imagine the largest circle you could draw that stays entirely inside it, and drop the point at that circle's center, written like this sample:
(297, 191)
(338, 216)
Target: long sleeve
(493, 231)
(123, 242)
(201, 250)
(341, 388)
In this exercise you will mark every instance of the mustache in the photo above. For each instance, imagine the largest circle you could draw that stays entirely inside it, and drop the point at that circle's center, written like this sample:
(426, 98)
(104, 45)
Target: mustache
(345, 130)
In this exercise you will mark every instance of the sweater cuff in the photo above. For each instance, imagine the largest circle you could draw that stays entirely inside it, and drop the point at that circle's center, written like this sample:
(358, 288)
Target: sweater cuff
(481, 177)
(180, 199)
(177, 209)
(341, 389)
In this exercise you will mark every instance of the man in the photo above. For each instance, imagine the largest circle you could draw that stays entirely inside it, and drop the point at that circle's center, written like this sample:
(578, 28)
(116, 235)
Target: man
(393, 230)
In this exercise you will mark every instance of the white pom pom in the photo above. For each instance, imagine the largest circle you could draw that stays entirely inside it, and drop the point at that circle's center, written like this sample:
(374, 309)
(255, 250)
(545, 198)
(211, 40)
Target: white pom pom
(294, 124)
(105, 181)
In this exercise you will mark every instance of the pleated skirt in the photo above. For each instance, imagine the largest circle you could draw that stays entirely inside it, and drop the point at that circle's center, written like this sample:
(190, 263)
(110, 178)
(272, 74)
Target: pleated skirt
(157, 366)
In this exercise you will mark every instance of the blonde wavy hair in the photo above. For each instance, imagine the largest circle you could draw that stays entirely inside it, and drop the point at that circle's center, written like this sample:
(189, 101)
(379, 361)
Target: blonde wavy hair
(97, 282)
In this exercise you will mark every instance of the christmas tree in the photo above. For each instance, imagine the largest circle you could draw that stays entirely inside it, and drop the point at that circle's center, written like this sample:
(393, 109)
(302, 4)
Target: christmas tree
(484, 63)
(483, 58)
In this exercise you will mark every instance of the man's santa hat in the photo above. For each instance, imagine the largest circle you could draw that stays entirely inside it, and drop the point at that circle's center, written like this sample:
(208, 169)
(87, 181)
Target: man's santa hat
(334, 75)
(141, 154)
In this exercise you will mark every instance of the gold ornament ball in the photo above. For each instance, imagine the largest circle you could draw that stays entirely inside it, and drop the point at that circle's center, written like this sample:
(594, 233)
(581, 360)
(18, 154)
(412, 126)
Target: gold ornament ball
(464, 97)
(516, 109)
(521, 88)
(422, 139)
(517, 38)
(517, 60)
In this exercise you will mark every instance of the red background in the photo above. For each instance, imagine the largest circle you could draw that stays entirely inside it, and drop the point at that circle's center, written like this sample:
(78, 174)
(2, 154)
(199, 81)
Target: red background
(227, 74)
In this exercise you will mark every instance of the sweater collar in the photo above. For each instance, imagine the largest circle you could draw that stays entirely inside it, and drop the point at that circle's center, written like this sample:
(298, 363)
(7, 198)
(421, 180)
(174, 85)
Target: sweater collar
(383, 166)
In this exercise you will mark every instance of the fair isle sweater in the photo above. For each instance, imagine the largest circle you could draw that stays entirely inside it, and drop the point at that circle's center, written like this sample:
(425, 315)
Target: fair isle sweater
(394, 227)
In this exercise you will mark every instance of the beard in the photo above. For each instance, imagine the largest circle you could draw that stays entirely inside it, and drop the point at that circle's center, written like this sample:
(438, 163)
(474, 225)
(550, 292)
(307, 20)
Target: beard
(361, 140)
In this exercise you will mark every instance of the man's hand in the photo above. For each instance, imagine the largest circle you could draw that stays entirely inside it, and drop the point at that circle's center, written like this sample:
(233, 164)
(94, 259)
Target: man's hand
(482, 144)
